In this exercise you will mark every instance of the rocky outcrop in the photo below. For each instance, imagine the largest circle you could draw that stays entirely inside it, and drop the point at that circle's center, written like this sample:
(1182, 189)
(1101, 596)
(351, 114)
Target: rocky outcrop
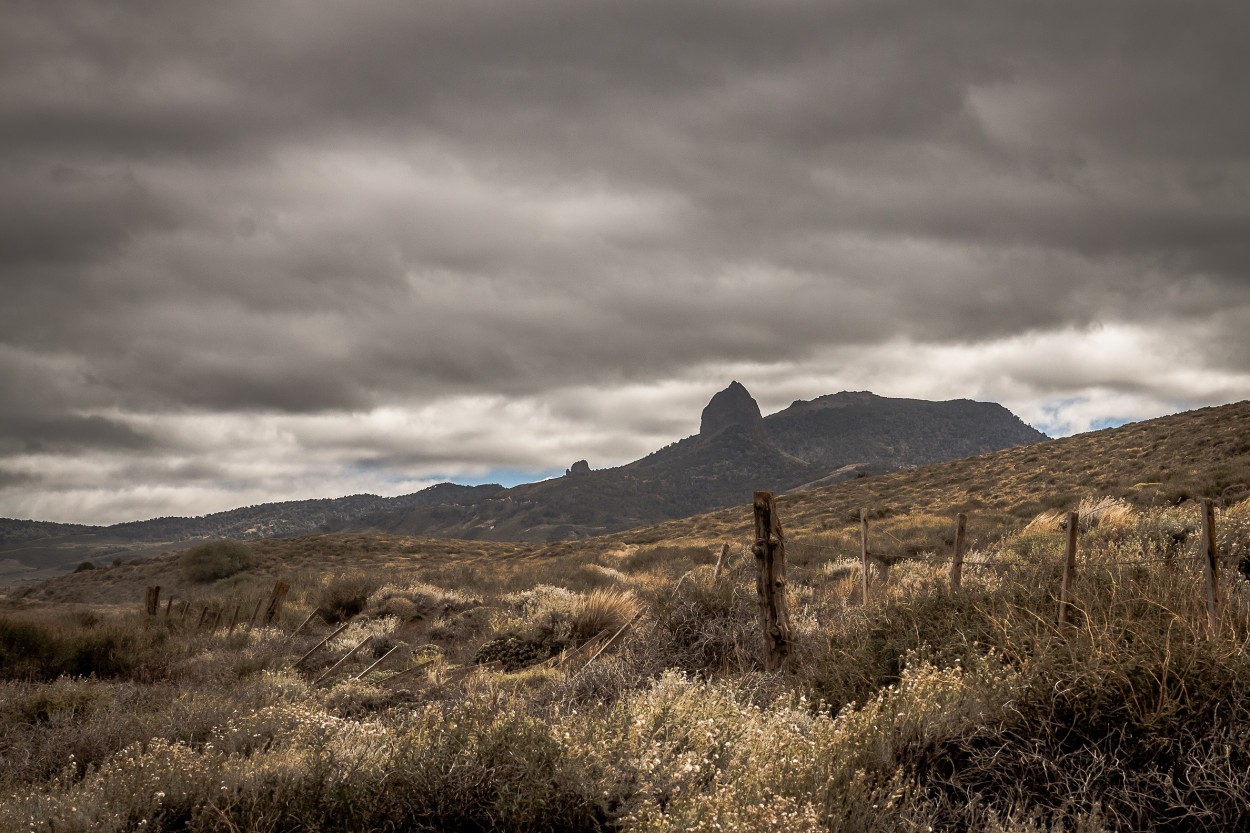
(734, 407)
(580, 467)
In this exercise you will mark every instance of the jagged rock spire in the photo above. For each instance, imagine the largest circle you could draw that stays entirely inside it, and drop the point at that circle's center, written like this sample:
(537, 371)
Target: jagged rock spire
(732, 407)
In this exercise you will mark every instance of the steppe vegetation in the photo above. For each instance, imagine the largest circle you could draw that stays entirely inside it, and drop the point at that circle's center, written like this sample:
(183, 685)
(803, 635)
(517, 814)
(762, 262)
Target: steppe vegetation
(924, 709)
(505, 706)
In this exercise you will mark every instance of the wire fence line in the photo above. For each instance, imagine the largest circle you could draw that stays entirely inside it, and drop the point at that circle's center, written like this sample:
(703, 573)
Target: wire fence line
(950, 555)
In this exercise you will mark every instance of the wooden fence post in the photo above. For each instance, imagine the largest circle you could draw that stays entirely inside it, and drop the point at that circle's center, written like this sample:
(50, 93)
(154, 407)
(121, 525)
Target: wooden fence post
(169, 604)
(957, 562)
(153, 600)
(770, 581)
(1210, 566)
(720, 562)
(863, 551)
(274, 609)
(319, 645)
(1069, 570)
(251, 623)
(343, 659)
(203, 616)
(217, 619)
(234, 620)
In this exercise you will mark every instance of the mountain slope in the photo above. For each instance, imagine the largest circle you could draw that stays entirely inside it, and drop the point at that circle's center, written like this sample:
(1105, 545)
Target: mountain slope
(736, 451)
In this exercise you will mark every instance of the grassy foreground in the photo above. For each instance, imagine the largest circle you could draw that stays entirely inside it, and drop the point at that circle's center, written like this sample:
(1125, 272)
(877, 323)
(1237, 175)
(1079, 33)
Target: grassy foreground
(924, 709)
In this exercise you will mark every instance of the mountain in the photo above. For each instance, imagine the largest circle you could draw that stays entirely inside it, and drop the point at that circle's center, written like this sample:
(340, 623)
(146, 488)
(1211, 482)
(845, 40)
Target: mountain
(29, 549)
(736, 451)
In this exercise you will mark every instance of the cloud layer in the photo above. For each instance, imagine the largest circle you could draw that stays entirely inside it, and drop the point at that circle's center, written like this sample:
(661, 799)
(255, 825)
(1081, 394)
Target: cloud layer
(257, 251)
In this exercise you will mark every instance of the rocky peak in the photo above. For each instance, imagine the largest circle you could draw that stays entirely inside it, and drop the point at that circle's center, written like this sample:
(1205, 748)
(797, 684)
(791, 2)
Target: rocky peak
(732, 407)
(580, 467)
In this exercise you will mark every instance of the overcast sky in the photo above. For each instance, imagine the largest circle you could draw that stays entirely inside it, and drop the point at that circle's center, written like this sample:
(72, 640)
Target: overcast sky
(256, 251)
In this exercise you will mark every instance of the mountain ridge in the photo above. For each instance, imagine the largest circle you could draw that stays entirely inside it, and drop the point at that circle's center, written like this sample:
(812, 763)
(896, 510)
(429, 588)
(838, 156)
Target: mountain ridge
(833, 437)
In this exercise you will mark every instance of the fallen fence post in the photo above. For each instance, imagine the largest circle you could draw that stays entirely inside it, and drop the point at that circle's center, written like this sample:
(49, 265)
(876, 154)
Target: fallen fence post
(378, 662)
(304, 624)
(957, 561)
(343, 659)
(1069, 570)
(863, 551)
(319, 645)
(614, 638)
(1210, 566)
(770, 581)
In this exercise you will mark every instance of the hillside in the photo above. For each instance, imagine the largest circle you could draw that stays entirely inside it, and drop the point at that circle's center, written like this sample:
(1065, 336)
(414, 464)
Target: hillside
(617, 683)
(1159, 462)
(736, 451)
(34, 550)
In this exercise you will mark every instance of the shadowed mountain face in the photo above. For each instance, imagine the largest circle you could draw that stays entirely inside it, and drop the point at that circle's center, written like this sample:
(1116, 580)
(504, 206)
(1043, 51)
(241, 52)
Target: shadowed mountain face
(736, 451)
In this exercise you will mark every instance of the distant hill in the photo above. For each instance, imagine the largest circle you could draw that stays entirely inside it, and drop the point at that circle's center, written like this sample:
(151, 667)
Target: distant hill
(736, 451)
(31, 550)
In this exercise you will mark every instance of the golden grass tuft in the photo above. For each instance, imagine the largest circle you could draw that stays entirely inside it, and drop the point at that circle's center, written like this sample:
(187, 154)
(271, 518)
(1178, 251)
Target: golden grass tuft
(603, 610)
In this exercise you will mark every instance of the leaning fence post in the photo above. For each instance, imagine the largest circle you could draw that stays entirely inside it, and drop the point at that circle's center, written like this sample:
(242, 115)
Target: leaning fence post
(863, 551)
(153, 599)
(720, 562)
(1210, 566)
(251, 623)
(1069, 570)
(770, 581)
(957, 562)
(274, 609)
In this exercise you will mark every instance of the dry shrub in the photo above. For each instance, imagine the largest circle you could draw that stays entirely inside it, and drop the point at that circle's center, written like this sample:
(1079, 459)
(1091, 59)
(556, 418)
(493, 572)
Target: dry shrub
(602, 610)
(214, 560)
(345, 596)
(419, 600)
(1110, 515)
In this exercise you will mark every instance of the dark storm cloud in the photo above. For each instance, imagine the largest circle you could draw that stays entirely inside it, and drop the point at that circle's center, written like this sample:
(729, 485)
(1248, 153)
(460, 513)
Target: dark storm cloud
(61, 433)
(307, 216)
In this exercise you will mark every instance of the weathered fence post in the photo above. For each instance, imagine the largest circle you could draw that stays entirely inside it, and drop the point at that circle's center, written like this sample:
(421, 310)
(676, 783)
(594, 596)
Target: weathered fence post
(169, 604)
(343, 659)
(234, 620)
(770, 581)
(274, 609)
(720, 562)
(1210, 565)
(320, 644)
(251, 623)
(217, 619)
(1069, 570)
(863, 551)
(957, 561)
(153, 600)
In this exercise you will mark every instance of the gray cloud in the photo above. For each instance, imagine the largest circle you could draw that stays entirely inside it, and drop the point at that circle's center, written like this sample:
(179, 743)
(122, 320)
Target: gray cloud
(318, 233)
